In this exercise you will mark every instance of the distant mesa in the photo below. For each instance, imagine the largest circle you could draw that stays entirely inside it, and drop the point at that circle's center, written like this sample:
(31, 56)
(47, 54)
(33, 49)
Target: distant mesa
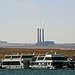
(1, 42)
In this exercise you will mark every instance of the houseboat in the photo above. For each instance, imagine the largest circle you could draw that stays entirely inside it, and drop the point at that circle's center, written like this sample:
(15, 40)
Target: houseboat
(48, 61)
(17, 61)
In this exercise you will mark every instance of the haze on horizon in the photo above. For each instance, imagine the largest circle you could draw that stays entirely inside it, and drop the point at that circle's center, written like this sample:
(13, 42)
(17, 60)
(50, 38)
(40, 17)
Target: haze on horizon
(19, 19)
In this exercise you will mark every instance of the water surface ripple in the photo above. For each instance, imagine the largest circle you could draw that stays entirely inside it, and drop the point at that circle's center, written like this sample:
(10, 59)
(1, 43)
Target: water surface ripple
(37, 72)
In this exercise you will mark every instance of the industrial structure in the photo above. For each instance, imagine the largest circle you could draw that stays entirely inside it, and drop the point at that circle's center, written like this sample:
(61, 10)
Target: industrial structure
(40, 38)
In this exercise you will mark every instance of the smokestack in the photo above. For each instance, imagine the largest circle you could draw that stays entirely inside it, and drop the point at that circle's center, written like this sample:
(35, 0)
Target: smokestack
(38, 35)
(43, 33)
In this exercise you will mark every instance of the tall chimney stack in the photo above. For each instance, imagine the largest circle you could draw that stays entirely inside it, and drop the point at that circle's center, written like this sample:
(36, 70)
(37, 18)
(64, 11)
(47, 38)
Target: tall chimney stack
(43, 33)
(38, 35)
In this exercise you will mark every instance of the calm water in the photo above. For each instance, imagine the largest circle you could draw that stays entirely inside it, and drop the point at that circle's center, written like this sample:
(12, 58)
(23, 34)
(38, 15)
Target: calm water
(37, 72)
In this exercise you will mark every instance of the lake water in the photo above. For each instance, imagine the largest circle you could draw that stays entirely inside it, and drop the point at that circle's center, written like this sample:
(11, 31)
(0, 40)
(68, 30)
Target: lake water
(37, 72)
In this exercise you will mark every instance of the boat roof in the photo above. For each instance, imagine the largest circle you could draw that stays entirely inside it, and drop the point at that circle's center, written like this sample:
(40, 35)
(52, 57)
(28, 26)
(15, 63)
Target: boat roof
(19, 55)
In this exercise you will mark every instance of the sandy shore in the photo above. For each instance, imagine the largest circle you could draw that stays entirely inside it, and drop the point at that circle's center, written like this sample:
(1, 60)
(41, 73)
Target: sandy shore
(63, 52)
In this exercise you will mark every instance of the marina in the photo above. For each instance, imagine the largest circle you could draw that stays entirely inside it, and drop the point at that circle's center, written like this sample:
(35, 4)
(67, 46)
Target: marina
(47, 61)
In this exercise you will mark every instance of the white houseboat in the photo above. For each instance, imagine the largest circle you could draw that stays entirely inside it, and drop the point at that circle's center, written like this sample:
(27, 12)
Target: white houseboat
(48, 61)
(17, 61)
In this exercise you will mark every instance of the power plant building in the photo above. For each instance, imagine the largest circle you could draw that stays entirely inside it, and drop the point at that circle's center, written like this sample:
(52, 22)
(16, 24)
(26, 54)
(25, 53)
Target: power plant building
(40, 38)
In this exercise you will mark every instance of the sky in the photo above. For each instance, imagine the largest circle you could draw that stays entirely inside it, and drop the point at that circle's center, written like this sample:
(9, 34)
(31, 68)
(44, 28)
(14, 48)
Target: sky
(19, 20)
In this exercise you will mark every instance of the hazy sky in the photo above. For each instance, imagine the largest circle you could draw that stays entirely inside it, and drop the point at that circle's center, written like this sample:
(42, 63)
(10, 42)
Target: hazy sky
(19, 19)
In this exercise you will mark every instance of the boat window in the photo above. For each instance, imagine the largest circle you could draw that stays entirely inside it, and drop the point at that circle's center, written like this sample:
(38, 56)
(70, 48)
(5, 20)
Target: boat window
(48, 63)
(56, 58)
(22, 61)
(34, 59)
(36, 63)
(64, 58)
(40, 58)
(57, 63)
(59, 58)
(15, 56)
(45, 64)
(11, 63)
(48, 58)
(7, 57)
(27, 56)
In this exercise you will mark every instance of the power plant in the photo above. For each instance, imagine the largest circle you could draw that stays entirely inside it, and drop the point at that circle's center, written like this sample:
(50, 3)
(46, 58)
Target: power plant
(40, 38)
